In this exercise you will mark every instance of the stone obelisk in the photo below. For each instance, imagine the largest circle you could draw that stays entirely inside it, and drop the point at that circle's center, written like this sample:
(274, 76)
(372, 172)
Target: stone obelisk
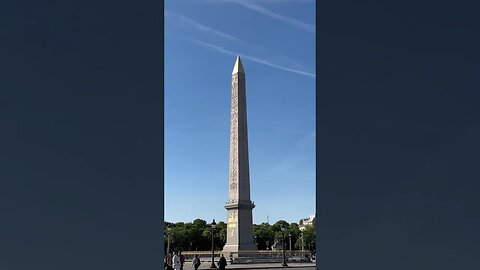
(239, 207)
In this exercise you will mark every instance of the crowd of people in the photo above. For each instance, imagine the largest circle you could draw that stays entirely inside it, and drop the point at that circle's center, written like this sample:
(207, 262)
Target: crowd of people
(177, 261)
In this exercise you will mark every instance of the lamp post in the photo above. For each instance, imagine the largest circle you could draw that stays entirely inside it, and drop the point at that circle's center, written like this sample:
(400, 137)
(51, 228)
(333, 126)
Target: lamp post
(302, 242)
(283, 246)
(191, 245)
(168, 239)
(290, 242)
(255, 241)
(213, 247)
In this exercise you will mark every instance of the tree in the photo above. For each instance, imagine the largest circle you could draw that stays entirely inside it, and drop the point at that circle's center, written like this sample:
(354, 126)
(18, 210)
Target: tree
(181, 235)
(309, 235)
(277, 226)
(295, 232)
(198, 240)
(221, 235)
(263, 234)
(197, 235)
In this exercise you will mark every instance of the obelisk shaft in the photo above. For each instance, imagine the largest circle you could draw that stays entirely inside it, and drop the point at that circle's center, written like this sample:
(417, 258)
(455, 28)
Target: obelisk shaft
(239, 178)
(239, 207)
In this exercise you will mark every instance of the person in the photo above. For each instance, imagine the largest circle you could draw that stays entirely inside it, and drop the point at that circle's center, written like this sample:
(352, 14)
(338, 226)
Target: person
(165, 262)
(176, 261)
(196, 262)
(168, 262)
(222, 263)
(182, 260)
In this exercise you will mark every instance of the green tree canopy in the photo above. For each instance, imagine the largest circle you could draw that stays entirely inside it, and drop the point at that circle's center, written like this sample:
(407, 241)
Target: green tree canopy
(197, 235)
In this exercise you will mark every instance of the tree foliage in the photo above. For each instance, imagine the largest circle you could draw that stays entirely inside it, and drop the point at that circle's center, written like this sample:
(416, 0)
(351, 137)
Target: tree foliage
(197, 235)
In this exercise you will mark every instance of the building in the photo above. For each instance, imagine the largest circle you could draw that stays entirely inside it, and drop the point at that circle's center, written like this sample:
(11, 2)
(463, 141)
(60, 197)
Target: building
(303, 223)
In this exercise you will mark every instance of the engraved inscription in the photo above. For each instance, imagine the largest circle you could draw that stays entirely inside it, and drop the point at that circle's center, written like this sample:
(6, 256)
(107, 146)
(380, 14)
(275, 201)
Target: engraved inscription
(233, 174)
(233, 185)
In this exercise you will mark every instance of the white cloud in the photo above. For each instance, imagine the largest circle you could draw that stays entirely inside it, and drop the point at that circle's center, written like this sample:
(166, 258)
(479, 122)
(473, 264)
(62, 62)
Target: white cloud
(293, 22)
(182, 20)
(287, 1)
(189, 23)
(252, 58)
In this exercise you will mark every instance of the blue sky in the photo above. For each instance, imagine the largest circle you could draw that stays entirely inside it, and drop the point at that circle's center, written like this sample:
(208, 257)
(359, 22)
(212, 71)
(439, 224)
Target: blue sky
(276, 41)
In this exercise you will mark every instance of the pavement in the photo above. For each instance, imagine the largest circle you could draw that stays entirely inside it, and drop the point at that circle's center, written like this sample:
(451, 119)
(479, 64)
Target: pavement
(297, 266)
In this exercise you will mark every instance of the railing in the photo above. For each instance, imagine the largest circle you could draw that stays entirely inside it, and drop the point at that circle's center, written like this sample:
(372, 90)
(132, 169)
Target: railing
(252, 256)
(205, 256)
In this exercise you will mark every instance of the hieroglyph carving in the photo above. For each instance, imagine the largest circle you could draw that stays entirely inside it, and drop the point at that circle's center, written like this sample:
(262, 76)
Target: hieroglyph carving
(234, 135)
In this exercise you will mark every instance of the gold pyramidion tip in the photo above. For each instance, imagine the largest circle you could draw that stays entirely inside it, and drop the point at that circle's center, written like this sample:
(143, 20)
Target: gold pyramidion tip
(238, 68)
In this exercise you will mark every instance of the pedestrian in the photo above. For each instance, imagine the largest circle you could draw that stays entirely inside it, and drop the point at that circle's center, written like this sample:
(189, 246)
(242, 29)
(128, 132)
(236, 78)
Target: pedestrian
(165, 262)
(176, 261)
(182, 260)
(222, 263)
(196, 262)
(168, 262)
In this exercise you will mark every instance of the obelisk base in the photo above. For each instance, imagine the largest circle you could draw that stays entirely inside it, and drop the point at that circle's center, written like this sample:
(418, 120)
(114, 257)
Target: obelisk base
(241, 248)
(239, 228)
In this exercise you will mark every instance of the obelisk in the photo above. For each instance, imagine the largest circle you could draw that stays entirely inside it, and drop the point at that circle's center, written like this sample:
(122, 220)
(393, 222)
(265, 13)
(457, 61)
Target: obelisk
(239, 207)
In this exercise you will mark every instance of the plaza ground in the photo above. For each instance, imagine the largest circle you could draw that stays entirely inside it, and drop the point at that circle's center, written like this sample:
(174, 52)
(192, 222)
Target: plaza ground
(296, 266)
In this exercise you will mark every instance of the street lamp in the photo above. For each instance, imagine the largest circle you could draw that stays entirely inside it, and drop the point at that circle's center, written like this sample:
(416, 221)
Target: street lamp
(255, 240)
(283, 246)
(290, 242)
(213, 250)
(168, 239)
(302, 242)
